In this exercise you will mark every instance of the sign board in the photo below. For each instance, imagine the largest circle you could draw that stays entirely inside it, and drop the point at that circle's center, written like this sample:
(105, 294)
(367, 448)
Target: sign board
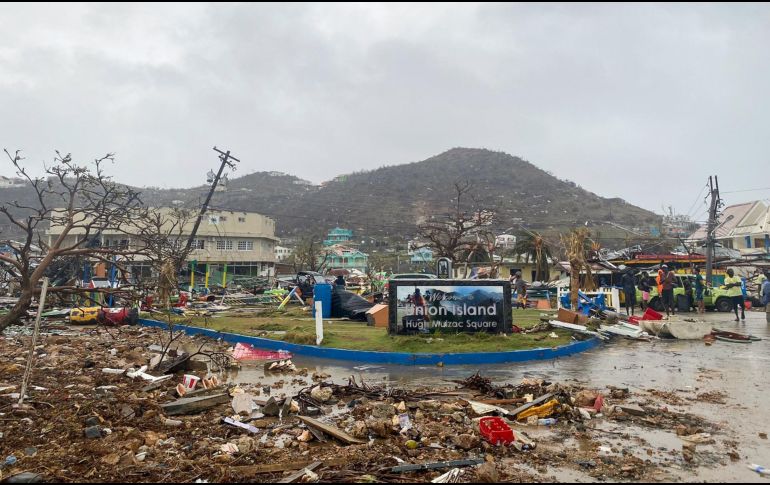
(444, 268)
(452, 306)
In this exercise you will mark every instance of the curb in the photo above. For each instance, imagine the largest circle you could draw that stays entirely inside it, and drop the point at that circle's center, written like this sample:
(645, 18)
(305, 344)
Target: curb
(399, 358)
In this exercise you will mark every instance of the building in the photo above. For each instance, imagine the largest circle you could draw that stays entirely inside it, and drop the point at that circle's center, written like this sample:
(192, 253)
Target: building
(338, 235)
(345, 257)
(229, 247)
(505, 241)
(282, 253)
(422, 255)
(744, 227)
(7, 183)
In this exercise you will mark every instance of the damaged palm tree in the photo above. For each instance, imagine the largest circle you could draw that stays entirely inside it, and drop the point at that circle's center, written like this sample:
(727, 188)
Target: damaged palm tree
(574, 245)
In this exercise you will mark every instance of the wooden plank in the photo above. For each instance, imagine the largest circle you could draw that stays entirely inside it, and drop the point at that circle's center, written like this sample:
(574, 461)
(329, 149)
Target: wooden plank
(295, 476)
(498, 402)
(251, 470)
(537, 401)
(190, 405)
(437, 465)
(331, 431)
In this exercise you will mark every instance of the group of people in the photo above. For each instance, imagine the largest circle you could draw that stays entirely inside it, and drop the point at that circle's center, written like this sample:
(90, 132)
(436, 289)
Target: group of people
(665, 281)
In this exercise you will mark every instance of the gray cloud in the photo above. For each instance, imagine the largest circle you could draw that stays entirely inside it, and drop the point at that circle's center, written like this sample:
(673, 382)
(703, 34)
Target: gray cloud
(636, 101)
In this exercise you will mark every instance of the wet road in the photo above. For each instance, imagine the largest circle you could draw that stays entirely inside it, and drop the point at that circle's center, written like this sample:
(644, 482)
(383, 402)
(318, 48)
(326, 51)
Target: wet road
(742, 371)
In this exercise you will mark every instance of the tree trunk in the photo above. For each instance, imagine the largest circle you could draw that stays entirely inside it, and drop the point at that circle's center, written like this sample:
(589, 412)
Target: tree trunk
(18, 310)
(574, 283)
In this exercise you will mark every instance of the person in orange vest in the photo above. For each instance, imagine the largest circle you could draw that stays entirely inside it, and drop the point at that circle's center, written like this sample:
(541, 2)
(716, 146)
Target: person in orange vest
(659, 279)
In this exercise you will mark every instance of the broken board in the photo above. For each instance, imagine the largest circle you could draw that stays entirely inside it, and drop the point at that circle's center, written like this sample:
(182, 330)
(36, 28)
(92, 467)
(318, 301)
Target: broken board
(331, 431)
(191, 405)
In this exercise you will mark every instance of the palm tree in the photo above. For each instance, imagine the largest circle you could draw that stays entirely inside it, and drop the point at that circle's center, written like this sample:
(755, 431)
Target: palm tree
(537, 251)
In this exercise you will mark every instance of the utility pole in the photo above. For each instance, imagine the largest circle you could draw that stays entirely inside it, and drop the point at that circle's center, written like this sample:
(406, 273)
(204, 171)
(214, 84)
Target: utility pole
(225, 158)
(716, 203)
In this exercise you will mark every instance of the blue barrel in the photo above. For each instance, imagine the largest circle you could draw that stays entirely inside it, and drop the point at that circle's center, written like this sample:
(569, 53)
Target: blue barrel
(323, 292)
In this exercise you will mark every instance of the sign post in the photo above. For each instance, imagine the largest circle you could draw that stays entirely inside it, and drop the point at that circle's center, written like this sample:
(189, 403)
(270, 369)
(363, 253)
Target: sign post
(444, 268)
(319, 323)
(451, 306)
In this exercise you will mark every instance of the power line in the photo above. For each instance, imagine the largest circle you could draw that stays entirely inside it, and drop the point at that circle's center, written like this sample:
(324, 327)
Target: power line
(746, 190)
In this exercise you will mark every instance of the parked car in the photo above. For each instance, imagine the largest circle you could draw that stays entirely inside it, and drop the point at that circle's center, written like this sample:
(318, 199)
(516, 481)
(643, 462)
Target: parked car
(713, 298)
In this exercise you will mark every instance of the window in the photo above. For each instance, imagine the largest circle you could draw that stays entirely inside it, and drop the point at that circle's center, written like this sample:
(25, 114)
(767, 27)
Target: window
(241, 219)
(223, 218)
(198, 244)
(245, 245)
(224, 245)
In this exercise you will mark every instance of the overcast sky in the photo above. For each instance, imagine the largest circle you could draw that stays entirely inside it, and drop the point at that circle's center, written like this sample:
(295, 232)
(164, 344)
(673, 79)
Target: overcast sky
(635, 101)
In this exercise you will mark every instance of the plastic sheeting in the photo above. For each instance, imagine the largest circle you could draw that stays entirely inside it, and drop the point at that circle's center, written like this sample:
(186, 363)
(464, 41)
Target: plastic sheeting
(346, 304)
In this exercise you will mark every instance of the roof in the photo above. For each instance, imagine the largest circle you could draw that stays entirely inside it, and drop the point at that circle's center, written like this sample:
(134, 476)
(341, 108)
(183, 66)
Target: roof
(730, 218)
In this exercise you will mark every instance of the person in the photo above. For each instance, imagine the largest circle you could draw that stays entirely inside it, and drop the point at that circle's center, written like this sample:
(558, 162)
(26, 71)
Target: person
(644, 286)
(765, 292)
(659, 279)
(733, 285)
(521, 291)
(340, 281)
(629, 289)
(688, 292)
(699, 287)
(667, 283)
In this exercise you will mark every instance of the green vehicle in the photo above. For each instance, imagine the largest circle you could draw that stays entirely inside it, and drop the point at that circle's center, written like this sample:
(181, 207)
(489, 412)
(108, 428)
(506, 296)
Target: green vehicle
(713, 298)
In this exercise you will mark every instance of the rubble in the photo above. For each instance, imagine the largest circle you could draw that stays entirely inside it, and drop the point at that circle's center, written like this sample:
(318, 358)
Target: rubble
(111, 427)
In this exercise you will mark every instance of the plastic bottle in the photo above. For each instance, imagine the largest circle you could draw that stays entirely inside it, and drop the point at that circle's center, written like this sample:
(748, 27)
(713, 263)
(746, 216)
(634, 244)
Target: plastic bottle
(760, 469)
(546, 422)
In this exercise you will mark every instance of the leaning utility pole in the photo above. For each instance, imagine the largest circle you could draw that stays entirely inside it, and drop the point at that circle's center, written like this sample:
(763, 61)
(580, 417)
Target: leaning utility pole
(225, 158)
(716, 203)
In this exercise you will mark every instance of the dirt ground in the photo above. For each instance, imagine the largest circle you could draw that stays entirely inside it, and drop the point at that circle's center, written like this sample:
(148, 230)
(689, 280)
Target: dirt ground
(673, 410)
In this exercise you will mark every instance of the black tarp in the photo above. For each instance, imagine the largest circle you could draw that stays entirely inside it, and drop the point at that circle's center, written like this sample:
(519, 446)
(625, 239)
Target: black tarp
(346, 304)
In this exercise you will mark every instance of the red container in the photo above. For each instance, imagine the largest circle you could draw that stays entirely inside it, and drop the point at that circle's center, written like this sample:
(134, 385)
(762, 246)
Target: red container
(495, 430)
(634, 320)
(650, 314)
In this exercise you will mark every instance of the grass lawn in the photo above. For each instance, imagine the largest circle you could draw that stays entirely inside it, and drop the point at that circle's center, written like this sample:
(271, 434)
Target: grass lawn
(299, 328)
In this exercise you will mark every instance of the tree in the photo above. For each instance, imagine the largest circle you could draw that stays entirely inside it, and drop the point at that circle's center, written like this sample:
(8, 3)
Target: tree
(81, 202)
(461, 233)
(575, 246)
(310, 254)
(161, 236)
(537, 251)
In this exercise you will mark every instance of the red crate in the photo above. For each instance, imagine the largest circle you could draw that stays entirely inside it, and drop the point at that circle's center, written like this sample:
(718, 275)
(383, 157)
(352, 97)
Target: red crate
(496, 431)
(650, 314)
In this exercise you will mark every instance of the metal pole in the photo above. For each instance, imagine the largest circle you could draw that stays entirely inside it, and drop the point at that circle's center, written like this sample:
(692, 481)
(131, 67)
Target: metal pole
(28, 370)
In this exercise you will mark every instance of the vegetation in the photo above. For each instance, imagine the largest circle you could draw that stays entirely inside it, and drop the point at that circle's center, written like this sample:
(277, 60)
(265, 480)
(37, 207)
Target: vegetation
(344, 334)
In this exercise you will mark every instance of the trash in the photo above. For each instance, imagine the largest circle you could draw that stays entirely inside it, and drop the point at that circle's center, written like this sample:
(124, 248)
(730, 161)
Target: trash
(437, 465)
(520, 410)
(546, 422)
(238, 424)
(175, 423)
(248, 352)
(404, 422)
(542, 411)
(553, 335)
(10, 460)
(190, 381)
(481, 409)
(305, 473)
(763, 472)
(452, 476)
(243, 403)
(191, 405)
(411, 444)
(330, 430)
(496, 431)
(229, 448)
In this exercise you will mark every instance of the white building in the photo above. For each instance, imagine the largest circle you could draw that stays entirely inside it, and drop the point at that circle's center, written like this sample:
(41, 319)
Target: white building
(282, 253)
(505, 241)
(745, 227)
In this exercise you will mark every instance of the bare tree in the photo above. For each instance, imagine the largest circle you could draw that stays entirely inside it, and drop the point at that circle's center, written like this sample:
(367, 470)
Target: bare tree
(160, 235)
(310, 254)
(460, 233)
(81, 202)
